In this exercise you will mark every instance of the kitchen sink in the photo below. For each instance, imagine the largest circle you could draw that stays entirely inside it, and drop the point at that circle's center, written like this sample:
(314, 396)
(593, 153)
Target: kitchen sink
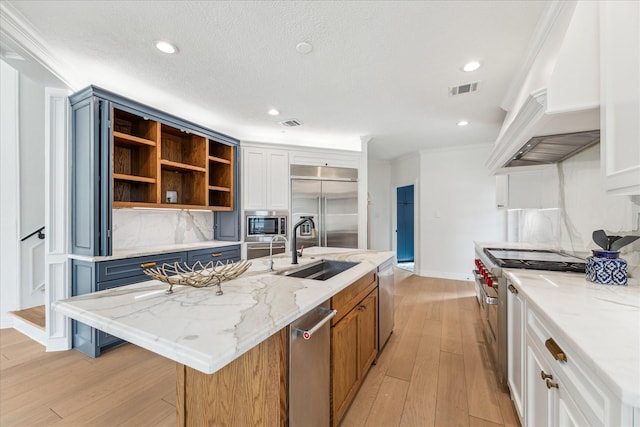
(320, 270)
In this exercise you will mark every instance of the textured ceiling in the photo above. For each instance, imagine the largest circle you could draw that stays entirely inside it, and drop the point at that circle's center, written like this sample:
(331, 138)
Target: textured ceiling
(378, 69)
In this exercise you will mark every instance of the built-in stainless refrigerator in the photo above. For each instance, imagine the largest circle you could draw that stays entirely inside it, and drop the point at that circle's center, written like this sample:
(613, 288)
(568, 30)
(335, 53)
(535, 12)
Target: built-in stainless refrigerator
(330, 195)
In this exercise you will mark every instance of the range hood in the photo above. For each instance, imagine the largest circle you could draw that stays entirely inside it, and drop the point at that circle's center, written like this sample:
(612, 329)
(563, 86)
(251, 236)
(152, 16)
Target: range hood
(544, 150)
(554, 102)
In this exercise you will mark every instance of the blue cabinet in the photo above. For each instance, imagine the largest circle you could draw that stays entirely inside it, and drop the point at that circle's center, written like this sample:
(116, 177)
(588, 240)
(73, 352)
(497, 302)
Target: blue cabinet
(134, 153)
(88, 277)
(224, 255)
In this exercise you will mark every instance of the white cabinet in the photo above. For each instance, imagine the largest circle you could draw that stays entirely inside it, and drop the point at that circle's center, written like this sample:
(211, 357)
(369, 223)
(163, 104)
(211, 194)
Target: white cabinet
(535, 187)
(620, 95)
(516, 347)
(348, 159)
(561, 388)
(265, 183)
(538, 399)
(551, 383)
(549, 400)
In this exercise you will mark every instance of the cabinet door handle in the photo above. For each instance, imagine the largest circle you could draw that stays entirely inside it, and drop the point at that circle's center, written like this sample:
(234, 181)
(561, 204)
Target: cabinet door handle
(362, 308)
(513, 290)
(555, 350)
(216, 254)
(545, 376)
(551, 384)
(148, 264)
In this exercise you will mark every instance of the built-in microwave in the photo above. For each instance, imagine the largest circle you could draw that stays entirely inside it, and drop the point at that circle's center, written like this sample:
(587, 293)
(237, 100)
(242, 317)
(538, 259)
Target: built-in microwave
(261, 226)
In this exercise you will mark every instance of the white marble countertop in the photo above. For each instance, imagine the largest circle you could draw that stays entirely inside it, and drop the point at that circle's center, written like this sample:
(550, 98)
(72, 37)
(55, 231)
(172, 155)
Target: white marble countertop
(155, 250)
(600, 322)
(206, 332)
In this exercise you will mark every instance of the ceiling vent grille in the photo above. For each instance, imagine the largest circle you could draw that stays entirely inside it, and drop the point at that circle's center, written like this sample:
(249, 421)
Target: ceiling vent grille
(291, 123)
(463, 88)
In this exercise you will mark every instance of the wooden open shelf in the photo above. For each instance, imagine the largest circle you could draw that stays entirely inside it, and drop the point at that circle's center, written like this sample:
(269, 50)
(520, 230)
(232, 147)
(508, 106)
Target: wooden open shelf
(124, 139)
(180, 167)
(151, 158)
(133, 178)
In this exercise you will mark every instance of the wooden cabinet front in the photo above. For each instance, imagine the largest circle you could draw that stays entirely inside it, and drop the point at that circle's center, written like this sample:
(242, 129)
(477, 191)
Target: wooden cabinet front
(354, 341)
(367, 332)
(345, 364)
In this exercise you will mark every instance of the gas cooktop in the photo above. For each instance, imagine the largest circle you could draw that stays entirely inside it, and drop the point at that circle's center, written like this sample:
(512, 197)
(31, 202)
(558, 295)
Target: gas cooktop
(535, 259)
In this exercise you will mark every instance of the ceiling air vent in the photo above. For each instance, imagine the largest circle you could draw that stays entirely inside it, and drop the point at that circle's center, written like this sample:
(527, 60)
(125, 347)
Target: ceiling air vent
(291, 123)
(463, 88)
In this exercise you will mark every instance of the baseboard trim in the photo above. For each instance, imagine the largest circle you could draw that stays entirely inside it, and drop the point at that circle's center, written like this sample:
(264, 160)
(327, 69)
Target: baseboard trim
(31, 331)
(444, 275)
(6, 322)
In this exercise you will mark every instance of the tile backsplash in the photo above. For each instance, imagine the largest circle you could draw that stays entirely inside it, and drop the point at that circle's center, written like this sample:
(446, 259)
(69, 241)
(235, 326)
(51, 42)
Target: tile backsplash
(133, 228)
(584, 207)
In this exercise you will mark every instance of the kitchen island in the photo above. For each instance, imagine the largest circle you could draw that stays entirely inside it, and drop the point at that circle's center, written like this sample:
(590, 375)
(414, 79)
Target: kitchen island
(236, 337)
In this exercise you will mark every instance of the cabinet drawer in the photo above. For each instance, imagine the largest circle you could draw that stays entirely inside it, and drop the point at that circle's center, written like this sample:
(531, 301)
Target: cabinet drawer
(224, 254)
(132, 267)
(573, 375)
(346, 299)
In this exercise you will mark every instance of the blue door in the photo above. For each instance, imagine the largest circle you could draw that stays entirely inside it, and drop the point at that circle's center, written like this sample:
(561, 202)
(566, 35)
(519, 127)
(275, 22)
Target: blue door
(405, 223)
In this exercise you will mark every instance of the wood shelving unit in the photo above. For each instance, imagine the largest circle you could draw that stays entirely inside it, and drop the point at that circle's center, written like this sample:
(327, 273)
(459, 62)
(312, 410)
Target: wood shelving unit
(135, 168)
(151, 158)
(221, 182)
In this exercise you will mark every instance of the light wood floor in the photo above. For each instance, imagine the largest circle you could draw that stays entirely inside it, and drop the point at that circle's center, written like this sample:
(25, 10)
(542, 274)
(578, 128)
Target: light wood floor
(34, 315)
(434, 371)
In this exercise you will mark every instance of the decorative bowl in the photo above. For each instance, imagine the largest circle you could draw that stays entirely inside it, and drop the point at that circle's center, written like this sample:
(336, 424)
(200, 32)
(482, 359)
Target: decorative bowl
(197, 275)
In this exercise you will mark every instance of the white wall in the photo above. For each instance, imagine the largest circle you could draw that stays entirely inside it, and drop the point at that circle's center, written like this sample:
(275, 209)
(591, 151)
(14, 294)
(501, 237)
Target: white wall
(31, 155)
(9, 220)
(457, 207)
(379, 205)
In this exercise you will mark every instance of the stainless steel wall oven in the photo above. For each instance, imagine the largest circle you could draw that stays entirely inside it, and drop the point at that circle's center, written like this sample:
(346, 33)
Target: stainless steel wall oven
(262, 226)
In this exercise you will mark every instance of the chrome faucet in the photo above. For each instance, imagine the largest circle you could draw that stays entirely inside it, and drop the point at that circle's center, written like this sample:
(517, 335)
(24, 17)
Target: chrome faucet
(273, 239)
(294, 251)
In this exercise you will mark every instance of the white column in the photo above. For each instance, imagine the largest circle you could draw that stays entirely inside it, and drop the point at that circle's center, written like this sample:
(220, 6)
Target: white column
(9, 194)
(57, 275)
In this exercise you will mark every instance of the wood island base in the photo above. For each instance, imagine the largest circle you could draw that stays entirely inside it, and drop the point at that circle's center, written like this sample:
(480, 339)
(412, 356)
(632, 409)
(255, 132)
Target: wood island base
(250, 391)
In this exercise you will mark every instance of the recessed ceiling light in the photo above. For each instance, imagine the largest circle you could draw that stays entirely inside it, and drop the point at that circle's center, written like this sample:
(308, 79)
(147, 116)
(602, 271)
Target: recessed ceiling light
(471, 66)
(304, 47)
(166, 47)
(273, 112)
(462, 123)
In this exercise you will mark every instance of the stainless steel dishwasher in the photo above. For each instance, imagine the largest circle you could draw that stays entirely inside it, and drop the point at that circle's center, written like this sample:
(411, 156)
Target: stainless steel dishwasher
(386, 284)
(309, 370)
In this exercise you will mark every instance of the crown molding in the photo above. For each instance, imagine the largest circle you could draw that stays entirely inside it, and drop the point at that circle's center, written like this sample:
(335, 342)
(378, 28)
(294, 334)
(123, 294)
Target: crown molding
(544, 29)
(17, 33)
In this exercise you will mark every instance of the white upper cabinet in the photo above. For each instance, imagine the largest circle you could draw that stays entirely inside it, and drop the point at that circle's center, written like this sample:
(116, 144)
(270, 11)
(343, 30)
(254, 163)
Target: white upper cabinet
(265, 182)
(531, 187)
(620, 95)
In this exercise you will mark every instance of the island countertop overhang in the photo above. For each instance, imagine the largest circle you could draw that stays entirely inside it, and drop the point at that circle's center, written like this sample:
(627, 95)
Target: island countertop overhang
(196, 328)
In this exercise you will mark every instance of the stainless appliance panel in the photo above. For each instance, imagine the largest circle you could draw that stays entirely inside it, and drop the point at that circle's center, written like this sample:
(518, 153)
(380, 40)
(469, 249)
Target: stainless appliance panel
(259, 250)
(324, 172)
(340, 214)
(306, 198)
(309, 368)
(330, 195)
(386, 284)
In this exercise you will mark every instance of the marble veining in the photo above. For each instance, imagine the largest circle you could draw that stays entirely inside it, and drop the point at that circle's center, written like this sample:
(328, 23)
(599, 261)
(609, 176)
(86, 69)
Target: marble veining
(583, 207)
(195, 327)
(133, 228)
(601, 323)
